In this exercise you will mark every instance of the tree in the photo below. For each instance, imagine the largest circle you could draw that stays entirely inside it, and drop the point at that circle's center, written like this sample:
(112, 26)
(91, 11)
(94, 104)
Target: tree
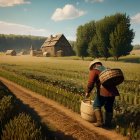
(104, 28)
(105, 37)
(121, 38)
(81, 50)
(73, 45)
(85, 34)
(93, 47)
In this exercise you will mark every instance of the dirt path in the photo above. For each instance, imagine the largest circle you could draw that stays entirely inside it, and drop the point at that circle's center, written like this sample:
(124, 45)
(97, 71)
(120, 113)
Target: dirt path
(69, 123)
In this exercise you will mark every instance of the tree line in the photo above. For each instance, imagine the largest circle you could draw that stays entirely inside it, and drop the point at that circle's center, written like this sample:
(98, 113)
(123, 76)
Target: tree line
(20, 42)
(110, 36)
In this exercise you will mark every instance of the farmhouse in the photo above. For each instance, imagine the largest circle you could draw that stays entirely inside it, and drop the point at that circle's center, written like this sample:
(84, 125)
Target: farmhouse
(11, 52)
(57, 45)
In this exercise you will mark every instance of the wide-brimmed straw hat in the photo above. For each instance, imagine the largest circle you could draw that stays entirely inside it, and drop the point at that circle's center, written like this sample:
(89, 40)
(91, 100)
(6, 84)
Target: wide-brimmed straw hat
(94, 62)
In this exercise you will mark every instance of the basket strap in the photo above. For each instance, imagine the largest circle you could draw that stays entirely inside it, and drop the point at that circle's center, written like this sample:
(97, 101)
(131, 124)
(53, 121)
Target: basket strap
(100, 68)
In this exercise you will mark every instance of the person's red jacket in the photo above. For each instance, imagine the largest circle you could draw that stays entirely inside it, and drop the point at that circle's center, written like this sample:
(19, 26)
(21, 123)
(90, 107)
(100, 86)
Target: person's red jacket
(103, 91)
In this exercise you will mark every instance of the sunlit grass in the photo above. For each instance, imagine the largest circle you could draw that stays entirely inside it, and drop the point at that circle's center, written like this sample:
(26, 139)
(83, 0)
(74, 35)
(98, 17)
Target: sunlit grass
(71, 70)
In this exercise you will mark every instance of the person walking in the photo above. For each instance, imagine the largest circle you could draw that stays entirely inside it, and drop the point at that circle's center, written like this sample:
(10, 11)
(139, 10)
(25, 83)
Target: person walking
(105, 96)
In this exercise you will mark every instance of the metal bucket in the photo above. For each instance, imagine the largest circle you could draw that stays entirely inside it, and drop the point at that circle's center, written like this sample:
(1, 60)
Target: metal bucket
(111, 77)
(87, 112)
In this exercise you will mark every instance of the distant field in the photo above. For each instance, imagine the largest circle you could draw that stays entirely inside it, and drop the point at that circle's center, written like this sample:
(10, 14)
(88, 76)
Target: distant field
(135, 52)
(2, 53)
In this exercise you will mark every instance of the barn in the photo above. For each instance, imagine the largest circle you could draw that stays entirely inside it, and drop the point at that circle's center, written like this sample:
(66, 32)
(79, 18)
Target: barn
(11, 52)
(57, 45)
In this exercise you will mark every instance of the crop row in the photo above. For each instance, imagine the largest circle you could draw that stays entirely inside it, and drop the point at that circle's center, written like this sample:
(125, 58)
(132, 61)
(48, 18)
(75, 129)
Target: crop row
(127, 119)
(68, 82)
(12, 121)
(76, 72)
(62, 96)
(71, 87)
(72, 101)
(130, 99)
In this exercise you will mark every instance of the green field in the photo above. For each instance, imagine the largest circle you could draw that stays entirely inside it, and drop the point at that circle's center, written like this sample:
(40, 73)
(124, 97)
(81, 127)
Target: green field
(64, 80)
(68, 70)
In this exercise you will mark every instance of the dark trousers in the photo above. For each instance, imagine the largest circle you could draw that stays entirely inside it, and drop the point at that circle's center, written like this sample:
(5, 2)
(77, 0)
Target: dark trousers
(107, 102)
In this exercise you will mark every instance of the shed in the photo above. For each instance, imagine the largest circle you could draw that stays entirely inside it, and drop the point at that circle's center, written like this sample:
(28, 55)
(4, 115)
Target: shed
(11, 52)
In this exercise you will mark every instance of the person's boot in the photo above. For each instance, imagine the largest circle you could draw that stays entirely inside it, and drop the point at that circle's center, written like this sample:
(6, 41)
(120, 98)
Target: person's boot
(108, 119)
(99, 118)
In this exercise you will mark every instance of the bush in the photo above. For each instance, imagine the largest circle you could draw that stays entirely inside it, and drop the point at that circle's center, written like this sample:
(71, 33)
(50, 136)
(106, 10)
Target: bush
(22, 127)
(6, 110)
(128, 120)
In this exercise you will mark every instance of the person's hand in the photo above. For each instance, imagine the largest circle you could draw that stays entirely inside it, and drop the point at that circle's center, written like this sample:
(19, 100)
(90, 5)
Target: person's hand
(87, 95)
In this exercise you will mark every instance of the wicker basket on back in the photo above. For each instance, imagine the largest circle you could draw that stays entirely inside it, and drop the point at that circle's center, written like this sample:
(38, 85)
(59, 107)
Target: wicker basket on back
(111, 77)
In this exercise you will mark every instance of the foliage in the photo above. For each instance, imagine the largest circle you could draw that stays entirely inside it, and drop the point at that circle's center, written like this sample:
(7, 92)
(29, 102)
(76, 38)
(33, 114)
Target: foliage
(73, 45)
(127, 119)
(110, 36)
(20, 42)
(2, 92)
(6, 110)
(64, 97)
(10, 106)
(120, 24)
(93, 47)
(121, 38)
(85, 33)
(21, 127)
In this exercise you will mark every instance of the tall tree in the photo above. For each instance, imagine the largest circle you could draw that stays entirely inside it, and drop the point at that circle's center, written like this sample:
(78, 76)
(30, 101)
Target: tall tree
(104, 28)
(73, 45)
(81, 51)
(85, 34)
(93, 47)
(121, 38)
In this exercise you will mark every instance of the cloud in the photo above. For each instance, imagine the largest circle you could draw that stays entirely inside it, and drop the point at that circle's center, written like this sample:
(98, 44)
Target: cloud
(12, 28)
(136, 18)
(67, 12)
(93, 1)
(6, 3)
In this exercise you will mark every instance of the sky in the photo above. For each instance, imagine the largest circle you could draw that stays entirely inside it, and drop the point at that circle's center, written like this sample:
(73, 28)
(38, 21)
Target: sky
(51, 17)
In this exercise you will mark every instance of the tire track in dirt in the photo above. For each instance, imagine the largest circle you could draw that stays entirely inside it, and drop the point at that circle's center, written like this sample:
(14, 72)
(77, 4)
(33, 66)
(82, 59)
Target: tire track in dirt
(70, 124)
